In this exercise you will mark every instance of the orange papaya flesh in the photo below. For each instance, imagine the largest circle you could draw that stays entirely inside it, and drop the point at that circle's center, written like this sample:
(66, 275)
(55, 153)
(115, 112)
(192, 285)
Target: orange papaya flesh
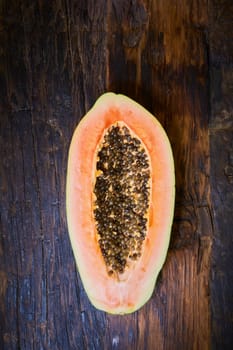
(120, 200)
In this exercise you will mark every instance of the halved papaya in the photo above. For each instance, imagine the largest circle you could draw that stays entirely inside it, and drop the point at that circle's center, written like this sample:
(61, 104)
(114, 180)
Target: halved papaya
(120, 201)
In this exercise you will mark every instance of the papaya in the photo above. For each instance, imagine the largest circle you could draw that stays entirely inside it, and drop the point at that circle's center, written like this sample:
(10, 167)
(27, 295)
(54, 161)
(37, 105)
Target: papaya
(120, 194)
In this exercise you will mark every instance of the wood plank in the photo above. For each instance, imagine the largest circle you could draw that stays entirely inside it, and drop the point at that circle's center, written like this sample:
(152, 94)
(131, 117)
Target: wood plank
(164, 63)
(42, 302)
(221, 152)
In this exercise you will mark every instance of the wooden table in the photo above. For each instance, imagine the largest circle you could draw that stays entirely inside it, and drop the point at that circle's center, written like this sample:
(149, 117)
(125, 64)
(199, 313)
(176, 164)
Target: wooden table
(56, 58)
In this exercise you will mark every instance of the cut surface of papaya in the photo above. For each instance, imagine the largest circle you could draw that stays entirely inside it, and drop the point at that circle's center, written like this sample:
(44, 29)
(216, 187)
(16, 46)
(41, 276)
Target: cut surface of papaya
(120, 200)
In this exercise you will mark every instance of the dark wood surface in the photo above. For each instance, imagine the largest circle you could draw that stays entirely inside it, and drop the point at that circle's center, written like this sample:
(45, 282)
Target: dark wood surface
(56, 58)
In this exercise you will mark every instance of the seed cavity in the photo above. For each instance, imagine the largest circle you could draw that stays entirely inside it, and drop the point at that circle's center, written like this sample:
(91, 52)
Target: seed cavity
(122, 193)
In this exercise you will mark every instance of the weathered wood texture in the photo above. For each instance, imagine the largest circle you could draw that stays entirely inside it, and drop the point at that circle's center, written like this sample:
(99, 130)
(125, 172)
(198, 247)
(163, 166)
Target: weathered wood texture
(56, 58)
(221, 174)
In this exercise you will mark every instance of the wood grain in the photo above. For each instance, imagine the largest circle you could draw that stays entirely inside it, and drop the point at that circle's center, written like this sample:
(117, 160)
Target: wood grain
(221, 179)
(56, 58)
